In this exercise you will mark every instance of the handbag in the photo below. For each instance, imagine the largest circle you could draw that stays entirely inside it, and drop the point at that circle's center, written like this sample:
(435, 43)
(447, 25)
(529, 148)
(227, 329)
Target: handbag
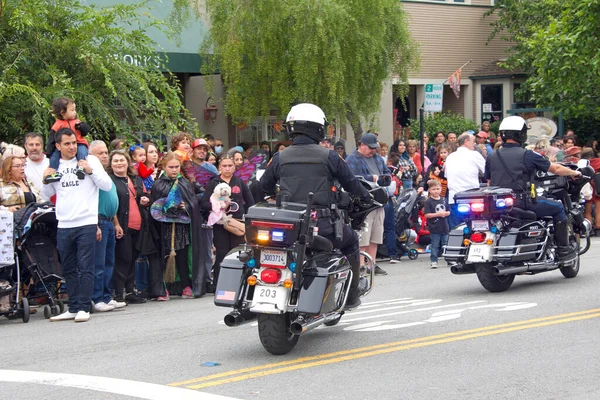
(235, 226)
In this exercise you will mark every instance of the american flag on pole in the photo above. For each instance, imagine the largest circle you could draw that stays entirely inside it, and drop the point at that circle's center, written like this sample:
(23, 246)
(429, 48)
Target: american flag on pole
(454, 82)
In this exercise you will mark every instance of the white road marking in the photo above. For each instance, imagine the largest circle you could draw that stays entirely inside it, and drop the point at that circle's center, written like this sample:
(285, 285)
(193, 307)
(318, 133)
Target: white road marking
(140, 390)
(411, 311)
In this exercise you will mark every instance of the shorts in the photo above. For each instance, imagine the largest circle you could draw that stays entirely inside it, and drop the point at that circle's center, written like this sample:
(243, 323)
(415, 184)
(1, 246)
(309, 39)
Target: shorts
(373, 230)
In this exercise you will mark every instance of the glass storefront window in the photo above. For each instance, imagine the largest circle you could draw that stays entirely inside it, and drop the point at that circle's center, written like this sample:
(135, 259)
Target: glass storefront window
(491, 103)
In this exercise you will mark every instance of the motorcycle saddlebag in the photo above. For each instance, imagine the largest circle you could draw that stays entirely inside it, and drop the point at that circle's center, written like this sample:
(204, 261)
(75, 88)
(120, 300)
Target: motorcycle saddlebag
(323, 284)
(231, 280)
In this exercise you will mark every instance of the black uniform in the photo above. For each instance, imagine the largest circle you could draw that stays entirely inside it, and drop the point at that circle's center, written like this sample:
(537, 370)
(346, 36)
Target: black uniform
(307, 167)
(522, 164)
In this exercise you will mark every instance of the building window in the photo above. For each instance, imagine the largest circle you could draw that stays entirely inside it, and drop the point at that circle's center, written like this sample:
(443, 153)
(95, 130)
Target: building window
(491, 103)
(522, 98)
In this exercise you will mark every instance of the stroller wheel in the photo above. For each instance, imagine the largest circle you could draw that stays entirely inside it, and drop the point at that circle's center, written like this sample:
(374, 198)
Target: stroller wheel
(55, 310)
(47, 312)
(413, 254)
(92, 307)
(61, 306)
(25, 310)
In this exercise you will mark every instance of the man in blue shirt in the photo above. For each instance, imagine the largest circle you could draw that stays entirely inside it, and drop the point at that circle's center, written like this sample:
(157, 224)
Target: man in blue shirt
(365, 161)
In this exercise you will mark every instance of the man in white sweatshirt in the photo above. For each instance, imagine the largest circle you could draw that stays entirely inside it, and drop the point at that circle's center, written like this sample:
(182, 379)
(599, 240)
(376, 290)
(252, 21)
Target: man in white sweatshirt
(77, 214)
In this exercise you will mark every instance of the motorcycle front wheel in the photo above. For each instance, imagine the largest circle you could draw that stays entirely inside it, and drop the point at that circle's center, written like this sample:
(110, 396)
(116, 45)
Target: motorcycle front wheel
(493, 283)
(274, 333)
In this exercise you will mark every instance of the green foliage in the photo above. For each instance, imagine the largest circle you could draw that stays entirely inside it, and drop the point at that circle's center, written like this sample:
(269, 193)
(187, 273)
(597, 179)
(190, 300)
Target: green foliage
(443, 122)
(53, 48)
(335, 54)
(556, 44)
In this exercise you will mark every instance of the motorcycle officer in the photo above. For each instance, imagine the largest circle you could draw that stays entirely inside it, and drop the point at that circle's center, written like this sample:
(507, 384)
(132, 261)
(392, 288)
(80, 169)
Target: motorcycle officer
(511, 166)
(307, 167)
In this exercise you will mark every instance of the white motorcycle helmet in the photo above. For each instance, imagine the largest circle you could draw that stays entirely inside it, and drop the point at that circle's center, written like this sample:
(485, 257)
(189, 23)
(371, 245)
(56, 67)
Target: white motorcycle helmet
(306, 119)
(514, 128)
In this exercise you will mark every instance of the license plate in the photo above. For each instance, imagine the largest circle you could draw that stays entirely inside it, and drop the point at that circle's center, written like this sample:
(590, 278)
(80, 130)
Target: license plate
(270, 299)
(479, 253)
(273, 257)
(480, 225)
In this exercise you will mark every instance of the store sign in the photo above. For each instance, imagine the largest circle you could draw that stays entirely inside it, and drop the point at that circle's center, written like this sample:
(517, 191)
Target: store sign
(433, 98)
(139, 60)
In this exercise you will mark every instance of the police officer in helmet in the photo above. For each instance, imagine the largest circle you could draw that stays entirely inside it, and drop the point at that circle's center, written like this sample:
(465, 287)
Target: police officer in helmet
(307, 167)
(511, 166)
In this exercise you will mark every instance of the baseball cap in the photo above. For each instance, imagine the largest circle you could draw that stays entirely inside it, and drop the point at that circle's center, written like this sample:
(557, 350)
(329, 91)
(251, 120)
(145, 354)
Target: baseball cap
(199, 142)
(370, 140)
(482, 134)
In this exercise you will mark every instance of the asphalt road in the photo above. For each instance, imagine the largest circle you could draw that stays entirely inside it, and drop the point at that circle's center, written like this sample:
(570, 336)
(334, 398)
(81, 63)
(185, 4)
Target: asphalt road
(420, 334)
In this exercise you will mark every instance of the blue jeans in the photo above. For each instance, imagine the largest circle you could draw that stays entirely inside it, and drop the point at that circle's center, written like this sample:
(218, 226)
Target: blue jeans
(82, 153)
(104, 263)
(141, 273)
(407, 183)
(77, 249)
(389, 229)
(438, 241)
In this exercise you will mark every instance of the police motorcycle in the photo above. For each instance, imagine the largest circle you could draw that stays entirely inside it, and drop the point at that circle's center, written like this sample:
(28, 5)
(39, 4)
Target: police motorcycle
(499, 241)
(288, 276)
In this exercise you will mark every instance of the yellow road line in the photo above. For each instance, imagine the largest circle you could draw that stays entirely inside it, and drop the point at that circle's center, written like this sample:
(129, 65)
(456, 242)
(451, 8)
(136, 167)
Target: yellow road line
(345, 355)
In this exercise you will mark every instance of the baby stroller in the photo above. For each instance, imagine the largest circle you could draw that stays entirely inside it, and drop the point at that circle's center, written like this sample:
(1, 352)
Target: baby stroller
(405, 213)
(35, 229)
(12, 304)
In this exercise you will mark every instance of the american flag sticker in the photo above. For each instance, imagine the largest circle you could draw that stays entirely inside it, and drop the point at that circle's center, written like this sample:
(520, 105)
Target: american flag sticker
(225, 295)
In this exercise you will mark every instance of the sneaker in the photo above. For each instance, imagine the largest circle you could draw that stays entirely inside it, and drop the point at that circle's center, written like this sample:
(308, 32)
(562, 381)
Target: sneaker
(51, 179)
(80, 173)
(82, 316)
(103, 307)
(394, 260)
(117, 304)
(379, 270)
(434, 264)
(163, 298)
(133, 298)
(66, 316)
(187, 293)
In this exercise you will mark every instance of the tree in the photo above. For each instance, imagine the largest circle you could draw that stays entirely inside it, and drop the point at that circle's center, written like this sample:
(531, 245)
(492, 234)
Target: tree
(53, 48)
(336, 54)
(556, 44)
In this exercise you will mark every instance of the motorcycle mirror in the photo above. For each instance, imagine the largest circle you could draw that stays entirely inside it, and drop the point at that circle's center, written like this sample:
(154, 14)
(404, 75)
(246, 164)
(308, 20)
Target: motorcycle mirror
(582, 163)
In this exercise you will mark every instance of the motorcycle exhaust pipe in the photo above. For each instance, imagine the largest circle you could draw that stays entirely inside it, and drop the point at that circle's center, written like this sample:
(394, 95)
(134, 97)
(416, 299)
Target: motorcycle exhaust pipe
(461, 270)
(237, 318)
(501, 270)
(300, 326)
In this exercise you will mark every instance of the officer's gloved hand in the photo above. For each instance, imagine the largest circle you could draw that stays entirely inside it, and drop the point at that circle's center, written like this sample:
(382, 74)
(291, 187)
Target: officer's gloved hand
(384, 180)
(366, 202)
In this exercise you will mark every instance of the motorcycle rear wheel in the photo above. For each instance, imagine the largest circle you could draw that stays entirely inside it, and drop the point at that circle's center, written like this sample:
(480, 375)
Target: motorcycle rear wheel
(572, 271)
(493, 283)
(274, 333)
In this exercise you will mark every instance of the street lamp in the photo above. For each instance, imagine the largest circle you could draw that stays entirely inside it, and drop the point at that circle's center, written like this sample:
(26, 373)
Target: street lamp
(210, 110)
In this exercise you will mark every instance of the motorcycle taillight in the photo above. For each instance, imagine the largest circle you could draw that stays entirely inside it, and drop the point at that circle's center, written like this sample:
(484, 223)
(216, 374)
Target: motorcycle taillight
(270, 275)
(478, 237)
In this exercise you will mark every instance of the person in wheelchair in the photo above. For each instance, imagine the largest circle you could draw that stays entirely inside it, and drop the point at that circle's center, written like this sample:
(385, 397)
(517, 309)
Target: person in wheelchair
(307, 167)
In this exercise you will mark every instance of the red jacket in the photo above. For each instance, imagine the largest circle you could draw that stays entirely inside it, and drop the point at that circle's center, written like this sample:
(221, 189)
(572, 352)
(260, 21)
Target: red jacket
(63, 123)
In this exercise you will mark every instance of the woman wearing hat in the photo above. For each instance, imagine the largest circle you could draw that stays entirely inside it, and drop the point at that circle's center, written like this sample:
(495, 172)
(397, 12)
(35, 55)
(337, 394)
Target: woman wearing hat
(172, 200)
(240, 195)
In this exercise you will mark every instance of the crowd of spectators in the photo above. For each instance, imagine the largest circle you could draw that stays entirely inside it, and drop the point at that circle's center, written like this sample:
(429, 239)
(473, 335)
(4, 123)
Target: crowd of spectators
(132, 220)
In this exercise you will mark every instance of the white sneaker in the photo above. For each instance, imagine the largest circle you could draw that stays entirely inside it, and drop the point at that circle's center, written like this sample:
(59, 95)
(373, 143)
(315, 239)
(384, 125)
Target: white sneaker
(103, 307)
(117, 304)
(82, 316)
(434, 265)
(66, 316)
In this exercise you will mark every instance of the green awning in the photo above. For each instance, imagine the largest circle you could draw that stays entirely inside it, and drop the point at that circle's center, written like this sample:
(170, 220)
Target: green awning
(182, 57)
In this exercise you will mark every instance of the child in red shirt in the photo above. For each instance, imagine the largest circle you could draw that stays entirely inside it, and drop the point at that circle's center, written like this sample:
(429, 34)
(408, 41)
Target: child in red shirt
(66, 117)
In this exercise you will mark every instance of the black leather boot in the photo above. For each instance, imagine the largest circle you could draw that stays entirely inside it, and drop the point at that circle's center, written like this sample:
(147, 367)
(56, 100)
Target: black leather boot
(357, 286)
(561, 236)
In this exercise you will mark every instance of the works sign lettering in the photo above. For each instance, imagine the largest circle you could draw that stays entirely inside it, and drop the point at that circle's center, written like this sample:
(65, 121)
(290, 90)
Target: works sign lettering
(433, 97)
